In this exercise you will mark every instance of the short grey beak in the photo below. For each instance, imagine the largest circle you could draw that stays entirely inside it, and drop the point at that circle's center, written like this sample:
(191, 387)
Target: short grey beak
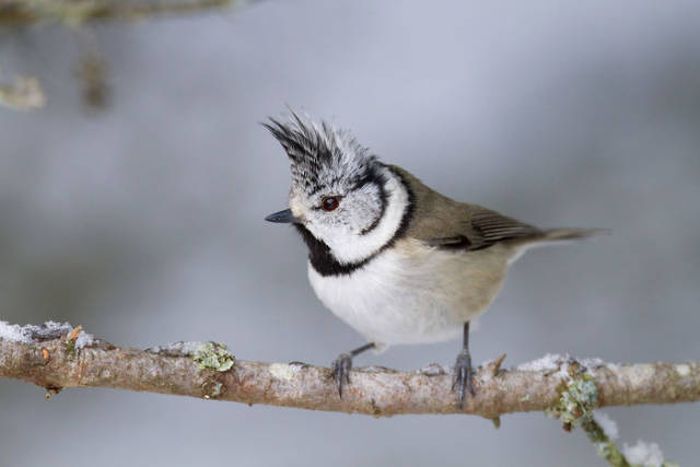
(282, 217)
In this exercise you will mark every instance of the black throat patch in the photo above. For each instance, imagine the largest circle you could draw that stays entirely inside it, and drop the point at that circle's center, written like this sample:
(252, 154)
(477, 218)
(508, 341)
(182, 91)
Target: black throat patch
(321, 257)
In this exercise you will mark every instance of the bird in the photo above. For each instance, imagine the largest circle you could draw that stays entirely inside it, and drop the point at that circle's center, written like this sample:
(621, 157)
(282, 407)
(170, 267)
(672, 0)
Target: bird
(388, 255)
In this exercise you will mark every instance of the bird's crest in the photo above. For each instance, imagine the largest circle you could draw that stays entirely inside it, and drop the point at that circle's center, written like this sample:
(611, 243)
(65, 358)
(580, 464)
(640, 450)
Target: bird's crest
(321, 155)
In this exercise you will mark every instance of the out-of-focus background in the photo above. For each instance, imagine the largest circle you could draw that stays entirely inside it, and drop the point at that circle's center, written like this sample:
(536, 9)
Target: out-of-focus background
(144, 222)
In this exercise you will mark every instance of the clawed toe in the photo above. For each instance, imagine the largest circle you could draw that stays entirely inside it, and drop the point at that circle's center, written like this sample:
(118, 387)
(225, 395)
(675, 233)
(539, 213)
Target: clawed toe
(341, 371)
(343, 364)
(463, 377)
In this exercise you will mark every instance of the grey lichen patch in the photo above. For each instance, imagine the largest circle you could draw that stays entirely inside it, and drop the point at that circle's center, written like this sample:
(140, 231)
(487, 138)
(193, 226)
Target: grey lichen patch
(208, 355)
(214, 356)
(579, 396)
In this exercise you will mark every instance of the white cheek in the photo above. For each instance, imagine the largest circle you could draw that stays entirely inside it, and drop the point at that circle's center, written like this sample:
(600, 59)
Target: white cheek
(349, 246)
(327, 228)
(364, 215)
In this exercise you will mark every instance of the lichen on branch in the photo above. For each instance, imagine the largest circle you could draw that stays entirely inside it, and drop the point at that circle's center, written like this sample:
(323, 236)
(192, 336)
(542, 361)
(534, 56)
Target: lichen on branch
(57, 355)
(45, 359)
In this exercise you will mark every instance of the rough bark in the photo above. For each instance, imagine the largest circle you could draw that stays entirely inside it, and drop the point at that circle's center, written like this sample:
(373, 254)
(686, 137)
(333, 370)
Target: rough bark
(56, 362)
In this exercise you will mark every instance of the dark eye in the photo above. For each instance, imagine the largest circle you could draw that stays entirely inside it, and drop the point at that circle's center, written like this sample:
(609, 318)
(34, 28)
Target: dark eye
(330, 203)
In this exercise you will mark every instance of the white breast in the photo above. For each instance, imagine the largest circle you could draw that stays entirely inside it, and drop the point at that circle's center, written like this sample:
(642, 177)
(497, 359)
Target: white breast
(412, 294)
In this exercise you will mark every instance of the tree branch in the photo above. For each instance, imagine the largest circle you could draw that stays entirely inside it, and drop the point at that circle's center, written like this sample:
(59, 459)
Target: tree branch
(24, 94)
(15, 13)
(54, 357)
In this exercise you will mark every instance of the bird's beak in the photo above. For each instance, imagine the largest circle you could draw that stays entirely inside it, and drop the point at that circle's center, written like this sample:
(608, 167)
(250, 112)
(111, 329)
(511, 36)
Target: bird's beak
(283, 217)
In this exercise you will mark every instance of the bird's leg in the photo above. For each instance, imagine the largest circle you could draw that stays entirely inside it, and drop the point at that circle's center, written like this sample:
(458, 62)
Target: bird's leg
(343, 364)
(463, 372)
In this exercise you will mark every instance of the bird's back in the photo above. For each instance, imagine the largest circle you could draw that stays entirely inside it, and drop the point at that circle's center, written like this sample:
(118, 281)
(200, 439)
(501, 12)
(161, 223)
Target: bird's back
(444, 223)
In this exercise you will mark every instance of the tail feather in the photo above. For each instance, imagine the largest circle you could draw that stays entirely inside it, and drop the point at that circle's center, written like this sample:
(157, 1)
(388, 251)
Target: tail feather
(553, 237)
(556, 235)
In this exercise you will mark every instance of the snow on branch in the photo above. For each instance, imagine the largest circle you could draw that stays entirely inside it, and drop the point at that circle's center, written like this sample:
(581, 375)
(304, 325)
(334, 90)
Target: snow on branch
(56, 356)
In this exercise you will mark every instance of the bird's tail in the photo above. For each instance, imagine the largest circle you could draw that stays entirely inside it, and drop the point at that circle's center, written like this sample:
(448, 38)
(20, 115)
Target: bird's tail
(553, 237)
(567, 234)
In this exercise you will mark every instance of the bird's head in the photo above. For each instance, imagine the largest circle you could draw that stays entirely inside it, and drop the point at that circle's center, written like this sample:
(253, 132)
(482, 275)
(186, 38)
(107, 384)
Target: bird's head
(340, 191)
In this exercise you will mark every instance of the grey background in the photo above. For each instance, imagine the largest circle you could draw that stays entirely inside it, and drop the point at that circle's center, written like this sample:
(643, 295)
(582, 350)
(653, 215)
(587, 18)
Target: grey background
(144, 223)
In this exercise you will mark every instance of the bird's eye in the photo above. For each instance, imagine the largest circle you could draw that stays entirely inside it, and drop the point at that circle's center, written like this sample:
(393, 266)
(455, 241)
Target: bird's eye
(330, 203)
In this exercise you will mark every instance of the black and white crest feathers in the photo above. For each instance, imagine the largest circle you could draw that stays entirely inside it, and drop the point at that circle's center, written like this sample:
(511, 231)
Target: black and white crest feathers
(322, 156)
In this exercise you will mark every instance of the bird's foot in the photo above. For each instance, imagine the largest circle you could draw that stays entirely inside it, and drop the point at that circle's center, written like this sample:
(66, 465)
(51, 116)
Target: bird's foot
(341, 371)
(463, 377)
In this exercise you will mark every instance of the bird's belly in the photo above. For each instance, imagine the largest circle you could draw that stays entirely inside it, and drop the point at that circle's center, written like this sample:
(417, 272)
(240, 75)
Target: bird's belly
(406, 299)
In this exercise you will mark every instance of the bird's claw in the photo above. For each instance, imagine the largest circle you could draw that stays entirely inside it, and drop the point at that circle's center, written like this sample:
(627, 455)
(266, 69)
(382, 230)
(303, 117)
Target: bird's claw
(463, 377)
(341, 371)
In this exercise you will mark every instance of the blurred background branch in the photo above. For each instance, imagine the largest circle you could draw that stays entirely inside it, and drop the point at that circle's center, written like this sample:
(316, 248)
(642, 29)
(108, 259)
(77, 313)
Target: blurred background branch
(18, 13)
(26, 93)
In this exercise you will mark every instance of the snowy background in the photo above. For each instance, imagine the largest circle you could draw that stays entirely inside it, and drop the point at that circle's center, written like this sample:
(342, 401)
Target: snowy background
(144, 223)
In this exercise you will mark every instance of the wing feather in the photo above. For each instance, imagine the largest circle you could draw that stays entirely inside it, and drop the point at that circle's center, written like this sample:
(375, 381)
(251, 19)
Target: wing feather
(445, 223)
(490, 227)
